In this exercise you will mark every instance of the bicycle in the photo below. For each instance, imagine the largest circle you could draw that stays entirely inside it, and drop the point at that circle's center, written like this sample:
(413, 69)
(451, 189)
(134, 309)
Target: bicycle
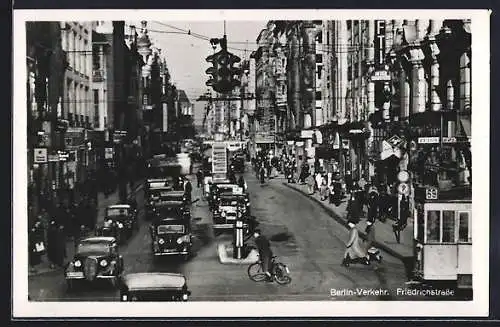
(279, 272)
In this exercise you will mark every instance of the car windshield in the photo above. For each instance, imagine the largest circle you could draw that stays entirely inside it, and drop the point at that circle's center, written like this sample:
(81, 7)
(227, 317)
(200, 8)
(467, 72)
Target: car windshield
(117, 212)
(93, 248)
(169, 229)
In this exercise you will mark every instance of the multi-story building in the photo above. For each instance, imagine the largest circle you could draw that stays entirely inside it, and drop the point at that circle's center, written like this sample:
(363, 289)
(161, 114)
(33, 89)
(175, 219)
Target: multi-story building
(46, 63)
(77, 42)
(101, 50)
(248, 84)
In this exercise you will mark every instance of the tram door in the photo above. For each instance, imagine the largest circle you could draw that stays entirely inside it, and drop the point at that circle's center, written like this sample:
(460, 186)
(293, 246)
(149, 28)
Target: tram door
(464, 245)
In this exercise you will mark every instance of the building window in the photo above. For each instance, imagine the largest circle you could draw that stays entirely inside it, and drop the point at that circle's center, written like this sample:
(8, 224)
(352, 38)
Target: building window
(319, 37)
(319, 58)
(318, 95)
(327, 38)
(463, 227)
(319, 71)
(96, 59)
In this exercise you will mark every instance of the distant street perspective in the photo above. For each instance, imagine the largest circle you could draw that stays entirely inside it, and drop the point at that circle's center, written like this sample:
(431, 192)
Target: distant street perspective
(249, 161)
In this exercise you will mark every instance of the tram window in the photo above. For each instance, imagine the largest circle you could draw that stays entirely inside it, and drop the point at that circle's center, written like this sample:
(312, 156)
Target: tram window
(448, 226)
(463, 227)
(433, 225)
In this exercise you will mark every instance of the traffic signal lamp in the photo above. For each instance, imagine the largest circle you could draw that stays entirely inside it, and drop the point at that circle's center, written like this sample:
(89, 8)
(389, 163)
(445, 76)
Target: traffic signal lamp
(223, 74)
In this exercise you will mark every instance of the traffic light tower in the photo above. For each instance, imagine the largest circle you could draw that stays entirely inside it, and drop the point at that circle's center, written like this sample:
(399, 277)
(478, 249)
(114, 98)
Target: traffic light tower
(223, 74)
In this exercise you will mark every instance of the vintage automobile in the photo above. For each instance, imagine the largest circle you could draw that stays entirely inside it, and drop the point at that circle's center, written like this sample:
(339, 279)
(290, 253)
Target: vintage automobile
(216, 189)
(171, 235)
(231, 207)
(152, 196)
(120, 221)
(174, 196)
(153, 287)
(96, 258)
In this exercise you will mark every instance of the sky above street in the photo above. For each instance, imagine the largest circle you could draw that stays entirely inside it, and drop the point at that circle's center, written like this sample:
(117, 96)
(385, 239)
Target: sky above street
(185, 54)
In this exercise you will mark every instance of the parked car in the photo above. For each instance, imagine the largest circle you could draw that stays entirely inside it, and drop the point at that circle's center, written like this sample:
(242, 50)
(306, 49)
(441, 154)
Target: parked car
(154, 286)
(95, 258)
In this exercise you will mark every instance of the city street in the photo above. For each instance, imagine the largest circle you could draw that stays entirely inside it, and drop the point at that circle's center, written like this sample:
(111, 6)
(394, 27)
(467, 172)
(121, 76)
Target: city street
(313, 245)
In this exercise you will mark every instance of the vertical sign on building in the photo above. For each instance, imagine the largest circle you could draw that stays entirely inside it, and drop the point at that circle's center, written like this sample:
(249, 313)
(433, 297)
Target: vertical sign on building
(379, 43)
(165, 118)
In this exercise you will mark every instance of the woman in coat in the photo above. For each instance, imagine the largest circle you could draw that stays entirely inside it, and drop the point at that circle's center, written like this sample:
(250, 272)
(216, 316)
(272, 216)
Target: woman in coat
(355, 248)
(354, 209)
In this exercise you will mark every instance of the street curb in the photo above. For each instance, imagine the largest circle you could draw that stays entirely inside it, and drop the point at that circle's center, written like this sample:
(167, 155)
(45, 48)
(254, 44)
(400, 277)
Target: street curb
(224, 259)
(343, 222)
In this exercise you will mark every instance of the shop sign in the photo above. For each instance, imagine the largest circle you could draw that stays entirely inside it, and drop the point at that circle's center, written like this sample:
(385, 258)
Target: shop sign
(290, 142)
(63, 155)
(449, 140)
(379, 43)
(428, 140)
(381, 75)
(108, 153)
(395, 141)
(74, 137)
(40, 155)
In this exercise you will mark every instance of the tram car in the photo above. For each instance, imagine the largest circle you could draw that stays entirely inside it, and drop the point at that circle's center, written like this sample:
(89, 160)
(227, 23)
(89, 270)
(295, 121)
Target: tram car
(443, 237)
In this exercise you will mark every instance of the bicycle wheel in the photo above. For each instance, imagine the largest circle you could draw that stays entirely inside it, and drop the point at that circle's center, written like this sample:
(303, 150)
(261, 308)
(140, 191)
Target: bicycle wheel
(256, 273)
(281, 275)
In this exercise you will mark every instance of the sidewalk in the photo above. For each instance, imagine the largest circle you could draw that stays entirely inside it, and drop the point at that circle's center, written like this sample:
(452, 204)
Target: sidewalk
(384, 236)
(103, 202)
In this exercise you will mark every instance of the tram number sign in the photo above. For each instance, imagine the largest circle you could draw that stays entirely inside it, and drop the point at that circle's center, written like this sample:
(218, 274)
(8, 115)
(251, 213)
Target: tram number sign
(404, 188)
(431, 193)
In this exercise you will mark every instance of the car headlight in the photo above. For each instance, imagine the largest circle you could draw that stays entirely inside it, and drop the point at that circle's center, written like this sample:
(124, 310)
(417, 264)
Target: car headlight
(179, 240)
(124, 297)
(103, 263)
(223, 214)
(120, 225)
(161, 241)
(77, 263)
(184, 297)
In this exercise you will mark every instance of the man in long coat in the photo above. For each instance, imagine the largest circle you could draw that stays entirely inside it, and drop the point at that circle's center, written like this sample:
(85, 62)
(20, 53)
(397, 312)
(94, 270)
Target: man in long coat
(354, 247)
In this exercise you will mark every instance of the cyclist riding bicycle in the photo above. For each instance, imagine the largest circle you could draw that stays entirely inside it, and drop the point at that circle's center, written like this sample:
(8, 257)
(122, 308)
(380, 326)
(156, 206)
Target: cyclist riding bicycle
(265, 252)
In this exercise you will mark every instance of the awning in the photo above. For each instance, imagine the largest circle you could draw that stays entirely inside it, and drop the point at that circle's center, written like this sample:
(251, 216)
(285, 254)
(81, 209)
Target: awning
(466, 126)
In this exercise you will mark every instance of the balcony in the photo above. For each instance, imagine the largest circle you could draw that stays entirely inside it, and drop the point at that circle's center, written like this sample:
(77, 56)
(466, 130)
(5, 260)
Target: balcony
(98, 75)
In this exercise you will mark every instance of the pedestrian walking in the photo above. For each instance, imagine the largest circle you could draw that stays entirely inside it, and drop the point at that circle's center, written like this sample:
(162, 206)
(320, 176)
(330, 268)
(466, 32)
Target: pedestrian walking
(310, 184)
(354, 247)
(324, 191)
(188, 189)
(262, 174)
(373, 203)
(199, 178)
(242, 183)
(354, 209)
(52, 242)
(348, 181)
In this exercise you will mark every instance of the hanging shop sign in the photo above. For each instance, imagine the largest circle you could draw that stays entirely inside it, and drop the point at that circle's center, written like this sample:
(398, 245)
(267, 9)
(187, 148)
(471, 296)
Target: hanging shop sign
(63, 155)
(395, 141)
(40, 155)
(306, 134)
(379, 43)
